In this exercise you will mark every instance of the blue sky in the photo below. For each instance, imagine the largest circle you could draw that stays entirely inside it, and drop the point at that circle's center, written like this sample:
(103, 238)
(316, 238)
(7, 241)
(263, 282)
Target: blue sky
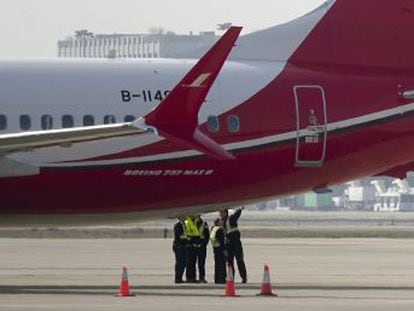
(31, 28)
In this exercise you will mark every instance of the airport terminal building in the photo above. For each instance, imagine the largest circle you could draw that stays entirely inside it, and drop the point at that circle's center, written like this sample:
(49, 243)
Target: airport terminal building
(85, 44)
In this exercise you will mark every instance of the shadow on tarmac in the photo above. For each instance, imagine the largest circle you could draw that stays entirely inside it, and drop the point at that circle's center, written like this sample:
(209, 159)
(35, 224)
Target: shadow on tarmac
(170, 291)
(183, 290)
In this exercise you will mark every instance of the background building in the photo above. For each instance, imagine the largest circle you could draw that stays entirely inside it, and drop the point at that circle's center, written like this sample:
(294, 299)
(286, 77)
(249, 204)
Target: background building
(378, 194)
(85, 44)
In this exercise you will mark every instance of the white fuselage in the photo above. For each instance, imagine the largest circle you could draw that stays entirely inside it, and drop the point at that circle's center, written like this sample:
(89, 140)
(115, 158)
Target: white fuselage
(94, 89)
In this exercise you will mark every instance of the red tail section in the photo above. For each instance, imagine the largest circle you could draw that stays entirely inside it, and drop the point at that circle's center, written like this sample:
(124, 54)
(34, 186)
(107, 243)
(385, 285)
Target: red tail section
(369, 33)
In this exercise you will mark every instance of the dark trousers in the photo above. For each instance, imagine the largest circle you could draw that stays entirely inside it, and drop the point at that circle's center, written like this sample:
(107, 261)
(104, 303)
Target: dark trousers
(235, 250)
(201, 261)
(190, 272)
(180, 262)
(219, 266)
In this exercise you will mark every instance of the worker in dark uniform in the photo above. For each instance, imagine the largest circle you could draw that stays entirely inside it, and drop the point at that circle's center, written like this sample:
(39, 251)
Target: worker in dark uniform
(202, 253)
(233, 242)
(194, 243)
(180, 248)
(218, 242)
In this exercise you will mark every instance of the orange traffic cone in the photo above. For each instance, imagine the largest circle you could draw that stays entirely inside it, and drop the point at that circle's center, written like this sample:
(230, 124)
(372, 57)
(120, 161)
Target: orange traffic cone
(266, 286)
(124, 286)
(230, 288)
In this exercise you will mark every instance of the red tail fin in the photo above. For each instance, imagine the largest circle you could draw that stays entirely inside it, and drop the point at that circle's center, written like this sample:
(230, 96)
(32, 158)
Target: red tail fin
(372, 33)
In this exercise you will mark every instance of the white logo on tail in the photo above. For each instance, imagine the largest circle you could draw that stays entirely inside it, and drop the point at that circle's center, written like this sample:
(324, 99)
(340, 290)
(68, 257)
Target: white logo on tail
(200, 80)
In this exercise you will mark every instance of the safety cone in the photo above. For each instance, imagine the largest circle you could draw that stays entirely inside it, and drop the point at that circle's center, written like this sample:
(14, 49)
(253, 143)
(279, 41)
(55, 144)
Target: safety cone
(266, 286)
(124, 286)
(230, 288)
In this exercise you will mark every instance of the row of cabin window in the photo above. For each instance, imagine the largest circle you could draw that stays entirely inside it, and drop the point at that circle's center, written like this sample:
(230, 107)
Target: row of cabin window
(67, 121)
(233, 124)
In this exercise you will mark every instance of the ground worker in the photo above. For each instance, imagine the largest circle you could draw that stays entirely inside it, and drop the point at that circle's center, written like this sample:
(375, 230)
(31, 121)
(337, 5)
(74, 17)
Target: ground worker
(217, 238)
(180, 248)
(194, 243)
(233, 243)
(202, 254)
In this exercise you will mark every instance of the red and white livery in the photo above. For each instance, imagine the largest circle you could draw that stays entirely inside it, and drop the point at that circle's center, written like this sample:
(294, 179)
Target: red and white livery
(321, 100)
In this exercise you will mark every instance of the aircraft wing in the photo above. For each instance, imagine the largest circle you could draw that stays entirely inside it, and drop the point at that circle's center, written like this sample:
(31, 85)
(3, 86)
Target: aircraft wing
(175, 118)
(26, 141)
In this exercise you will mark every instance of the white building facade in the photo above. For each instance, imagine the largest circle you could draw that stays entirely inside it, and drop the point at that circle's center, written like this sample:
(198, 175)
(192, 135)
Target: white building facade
(85, 44)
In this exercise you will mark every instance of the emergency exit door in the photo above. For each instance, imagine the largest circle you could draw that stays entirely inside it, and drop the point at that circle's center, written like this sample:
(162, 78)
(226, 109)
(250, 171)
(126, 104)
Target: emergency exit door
(311, 125)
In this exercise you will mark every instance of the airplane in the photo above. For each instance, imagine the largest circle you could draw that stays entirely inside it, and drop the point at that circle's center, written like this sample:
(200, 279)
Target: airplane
(306, 105)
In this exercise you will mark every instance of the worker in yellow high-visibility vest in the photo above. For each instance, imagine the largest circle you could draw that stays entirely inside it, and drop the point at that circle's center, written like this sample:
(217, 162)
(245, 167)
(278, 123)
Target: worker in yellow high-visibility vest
(194, 244)
(217, 238)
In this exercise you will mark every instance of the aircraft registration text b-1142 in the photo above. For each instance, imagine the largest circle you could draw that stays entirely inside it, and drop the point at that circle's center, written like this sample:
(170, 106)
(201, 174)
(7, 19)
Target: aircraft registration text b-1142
(143, 96)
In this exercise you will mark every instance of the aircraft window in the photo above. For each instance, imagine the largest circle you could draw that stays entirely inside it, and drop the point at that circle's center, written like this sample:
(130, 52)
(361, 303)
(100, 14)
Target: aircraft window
(3, 122)
(129, 118)
(25, 122)
(88, 120)
(46, 122)
(213, 124)
(233, 124)
(67, 121)
(109, 119)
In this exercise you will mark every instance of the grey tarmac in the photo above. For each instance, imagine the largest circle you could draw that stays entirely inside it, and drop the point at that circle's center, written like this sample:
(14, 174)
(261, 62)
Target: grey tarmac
(307, 274)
